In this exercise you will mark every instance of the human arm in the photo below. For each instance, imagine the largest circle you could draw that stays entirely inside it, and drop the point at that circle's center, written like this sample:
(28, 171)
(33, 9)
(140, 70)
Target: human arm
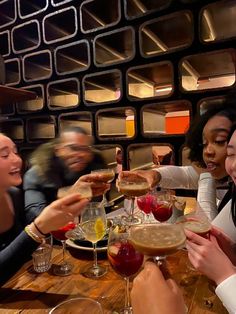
(54, 216)
(226, 292)
(34, 196)
(171, 177)
(153, 294)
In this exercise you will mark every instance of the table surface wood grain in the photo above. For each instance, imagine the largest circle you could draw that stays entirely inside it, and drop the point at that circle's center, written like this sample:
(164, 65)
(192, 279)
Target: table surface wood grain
(29, 292)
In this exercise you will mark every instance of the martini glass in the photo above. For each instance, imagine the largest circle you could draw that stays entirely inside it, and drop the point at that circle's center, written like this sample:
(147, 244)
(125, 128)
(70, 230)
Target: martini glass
(107, 176)
(64, 268)
(132, 189)
(157, 240)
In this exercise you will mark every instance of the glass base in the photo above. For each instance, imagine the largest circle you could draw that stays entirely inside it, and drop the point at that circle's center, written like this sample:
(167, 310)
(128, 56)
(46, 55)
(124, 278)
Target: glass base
(126, 310)
(131, 220)
(94, 272)
(62, 270)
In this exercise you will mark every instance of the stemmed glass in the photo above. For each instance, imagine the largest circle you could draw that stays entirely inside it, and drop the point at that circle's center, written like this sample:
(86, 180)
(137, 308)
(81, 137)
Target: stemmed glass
(93, 224)
(124, 259)
(162, 205)
(65, 268)
(107, 176)
(157, 240)
(78, 305)
(145, 205)
(131, 189)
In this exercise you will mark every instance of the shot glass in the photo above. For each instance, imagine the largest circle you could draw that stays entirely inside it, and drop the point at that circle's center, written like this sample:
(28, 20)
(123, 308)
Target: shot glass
(42, 258)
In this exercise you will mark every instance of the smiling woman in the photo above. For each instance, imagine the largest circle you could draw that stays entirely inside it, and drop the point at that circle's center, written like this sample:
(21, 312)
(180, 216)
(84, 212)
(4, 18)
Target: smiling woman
(17, 241)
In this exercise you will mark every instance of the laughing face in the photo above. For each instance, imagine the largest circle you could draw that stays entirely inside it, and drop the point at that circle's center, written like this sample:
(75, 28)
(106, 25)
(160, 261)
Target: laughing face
(74, 150)
(10, 163)
(215, 135)
(230, 162)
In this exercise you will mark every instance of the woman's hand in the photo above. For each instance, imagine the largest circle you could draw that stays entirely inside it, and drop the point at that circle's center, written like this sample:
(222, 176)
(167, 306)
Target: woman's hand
(153, 294)
(207, 257)
(97, 183)
(225, 243)
(153, 177)
(60, 212)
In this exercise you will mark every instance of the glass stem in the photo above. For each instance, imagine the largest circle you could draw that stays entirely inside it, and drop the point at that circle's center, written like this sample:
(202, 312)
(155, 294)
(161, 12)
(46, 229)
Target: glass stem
(127, 295)
(95, 259)
(132, 209)
(104, 199)
(63, 242)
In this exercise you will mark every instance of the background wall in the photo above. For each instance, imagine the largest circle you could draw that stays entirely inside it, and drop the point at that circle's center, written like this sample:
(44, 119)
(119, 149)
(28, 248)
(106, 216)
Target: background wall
(116, 67)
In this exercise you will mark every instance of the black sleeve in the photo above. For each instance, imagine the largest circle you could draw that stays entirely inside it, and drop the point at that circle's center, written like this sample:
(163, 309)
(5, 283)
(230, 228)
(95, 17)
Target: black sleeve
(15, 255)
(35, 200)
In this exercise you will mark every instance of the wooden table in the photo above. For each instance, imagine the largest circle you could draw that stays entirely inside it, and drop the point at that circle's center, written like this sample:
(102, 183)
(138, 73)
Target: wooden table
(28, 292)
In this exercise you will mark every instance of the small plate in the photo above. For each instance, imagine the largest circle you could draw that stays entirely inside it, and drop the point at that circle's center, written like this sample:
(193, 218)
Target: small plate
(85, 248)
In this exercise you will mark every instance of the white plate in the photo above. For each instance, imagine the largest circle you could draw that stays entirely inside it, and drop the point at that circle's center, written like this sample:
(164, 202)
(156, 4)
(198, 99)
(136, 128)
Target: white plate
(85, 248)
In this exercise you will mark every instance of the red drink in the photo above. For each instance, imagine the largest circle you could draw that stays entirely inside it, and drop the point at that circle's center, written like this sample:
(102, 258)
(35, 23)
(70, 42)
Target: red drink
(60, 233)
(145, 203)
(124, 259)
(161, 210)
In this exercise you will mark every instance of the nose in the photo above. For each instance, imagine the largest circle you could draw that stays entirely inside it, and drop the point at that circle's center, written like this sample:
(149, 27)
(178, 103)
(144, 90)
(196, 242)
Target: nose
(209, 150)
(16, 158)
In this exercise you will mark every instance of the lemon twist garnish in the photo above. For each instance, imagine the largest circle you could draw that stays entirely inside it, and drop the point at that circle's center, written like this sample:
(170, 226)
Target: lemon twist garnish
(99, 228)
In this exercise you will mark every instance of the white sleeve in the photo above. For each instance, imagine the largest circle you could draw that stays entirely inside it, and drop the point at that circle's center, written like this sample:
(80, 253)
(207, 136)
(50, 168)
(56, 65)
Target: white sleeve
(224, 221)
(206, 195)
(226, 291)
(176, 177)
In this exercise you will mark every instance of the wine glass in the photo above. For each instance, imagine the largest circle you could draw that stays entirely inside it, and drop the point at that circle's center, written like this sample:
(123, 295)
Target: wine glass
(93, 223)
(124, 259)
(145, 205)
(78, 305)
(64, 268)
(107, 176)
(157, 240)
(162, 206)
(132, 189)
(83, 188)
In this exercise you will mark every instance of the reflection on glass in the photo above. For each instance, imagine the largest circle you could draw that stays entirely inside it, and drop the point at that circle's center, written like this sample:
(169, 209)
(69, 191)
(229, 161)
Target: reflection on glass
(217, 21)
(150, 81)
(82, 119)
(166, 118)
(148, 156)
(116, 123)
(136, 8)
(103, 87)
(157, 36)
(63, 94)
(208, 70)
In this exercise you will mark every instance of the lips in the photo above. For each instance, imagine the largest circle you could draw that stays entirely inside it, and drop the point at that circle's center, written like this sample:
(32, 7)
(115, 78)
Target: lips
(14, 172)
(211, 166)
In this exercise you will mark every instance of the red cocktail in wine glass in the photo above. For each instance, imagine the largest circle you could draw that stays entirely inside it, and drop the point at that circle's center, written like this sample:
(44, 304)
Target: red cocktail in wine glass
(64, 268)
(124, 259)
(162, 206)
(145, 205)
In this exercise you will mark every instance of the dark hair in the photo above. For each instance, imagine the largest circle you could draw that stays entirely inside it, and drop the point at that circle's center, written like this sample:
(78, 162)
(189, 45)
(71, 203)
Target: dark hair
(233, 188)
(194, 136)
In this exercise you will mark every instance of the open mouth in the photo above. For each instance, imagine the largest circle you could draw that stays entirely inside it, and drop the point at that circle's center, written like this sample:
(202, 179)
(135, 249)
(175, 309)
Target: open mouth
(14, 172)
(211, 166)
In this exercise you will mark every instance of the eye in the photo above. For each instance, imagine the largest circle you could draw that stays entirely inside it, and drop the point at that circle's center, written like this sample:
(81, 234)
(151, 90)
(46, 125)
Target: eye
(220, 142)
